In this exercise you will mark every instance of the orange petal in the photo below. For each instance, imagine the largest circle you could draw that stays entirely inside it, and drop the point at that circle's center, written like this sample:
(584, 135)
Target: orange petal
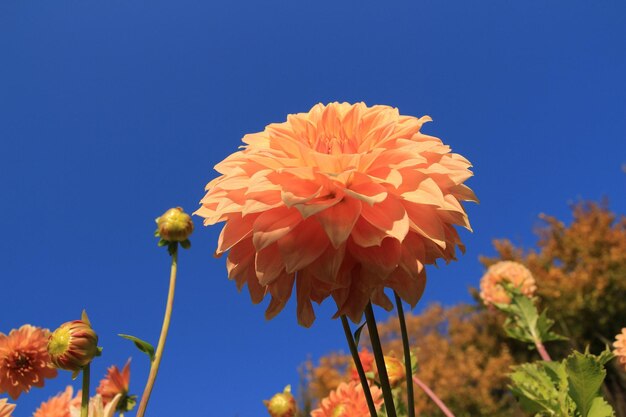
(274, 224)
(302, 245)
(338, 220)
(268, 264)
(388, 216)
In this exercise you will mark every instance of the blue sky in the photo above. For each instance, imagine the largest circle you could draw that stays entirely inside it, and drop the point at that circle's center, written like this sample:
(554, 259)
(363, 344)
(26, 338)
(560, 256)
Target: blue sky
(112, 112)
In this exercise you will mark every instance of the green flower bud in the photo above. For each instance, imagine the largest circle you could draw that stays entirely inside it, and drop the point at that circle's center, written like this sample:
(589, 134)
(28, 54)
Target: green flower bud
(282, 404)
(73, 345)
(174, 225)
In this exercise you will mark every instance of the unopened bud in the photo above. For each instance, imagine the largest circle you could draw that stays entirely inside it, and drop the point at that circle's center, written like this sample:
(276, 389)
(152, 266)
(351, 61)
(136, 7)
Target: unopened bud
(282, 404)
(174, 225)
(73, 345)
(395, 370)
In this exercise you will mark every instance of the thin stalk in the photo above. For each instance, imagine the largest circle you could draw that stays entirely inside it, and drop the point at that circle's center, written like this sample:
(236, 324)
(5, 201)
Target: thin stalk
(84, 404)
(154, 368)
(446, 411)
(408, 368)
(542, 351)
(359, 366)
(380, 361)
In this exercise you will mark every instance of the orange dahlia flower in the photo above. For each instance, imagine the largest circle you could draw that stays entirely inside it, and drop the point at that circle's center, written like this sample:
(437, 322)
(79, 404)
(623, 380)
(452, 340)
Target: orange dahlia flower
(342, 201)
(116, 382)
(348, 400)
(57, 406)
(24, 360)
(367, 361)
(491, 290)
(5, 408)
(620, 348)
(97, 408)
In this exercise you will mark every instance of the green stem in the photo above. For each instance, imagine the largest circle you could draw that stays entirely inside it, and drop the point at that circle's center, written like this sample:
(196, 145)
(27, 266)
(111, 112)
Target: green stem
(84, 404)
(408, 368)
(380, 361)
(359, 366)
(154, 368)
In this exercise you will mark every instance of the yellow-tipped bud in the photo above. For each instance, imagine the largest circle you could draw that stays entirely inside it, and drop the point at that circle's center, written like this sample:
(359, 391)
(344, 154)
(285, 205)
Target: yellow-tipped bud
(282, 404)
(174, 225)
(73, 345)
(395, 370)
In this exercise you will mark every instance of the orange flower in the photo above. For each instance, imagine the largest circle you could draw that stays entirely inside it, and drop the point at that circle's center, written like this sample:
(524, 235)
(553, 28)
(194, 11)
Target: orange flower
(620, 347)
(343, 201)
(367, 361)
(348, 400)
(114, 383)
(517, 274)
(57, 406)
(97, 408)
(24, 360)
(5, 408)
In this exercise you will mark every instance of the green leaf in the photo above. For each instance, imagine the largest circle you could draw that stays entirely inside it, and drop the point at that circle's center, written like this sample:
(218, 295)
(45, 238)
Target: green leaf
(186, 244)
(523, 322)
(163, 243)
(357, 334)
(585, 374)
(600, 408)
(535, 389)
(142, 345)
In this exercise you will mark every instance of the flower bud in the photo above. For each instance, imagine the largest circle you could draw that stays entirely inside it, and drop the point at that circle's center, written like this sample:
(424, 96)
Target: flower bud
(620, 348)
(73, 345)
(282, 404)
(395, 370)
(174, 225)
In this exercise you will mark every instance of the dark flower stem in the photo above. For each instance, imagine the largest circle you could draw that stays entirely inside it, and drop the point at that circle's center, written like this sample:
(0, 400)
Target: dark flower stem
(380, 361)
(359, 366)
(84, 404)
(408, 368)
(154, 367)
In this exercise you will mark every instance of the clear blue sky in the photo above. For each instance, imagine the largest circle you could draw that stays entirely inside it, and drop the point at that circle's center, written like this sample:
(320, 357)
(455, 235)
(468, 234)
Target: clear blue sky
(112, 112)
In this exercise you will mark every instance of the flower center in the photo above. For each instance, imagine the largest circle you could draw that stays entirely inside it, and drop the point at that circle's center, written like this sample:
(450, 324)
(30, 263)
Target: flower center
(339, 411)
(336, 145)
(20, 362)
(59, 341)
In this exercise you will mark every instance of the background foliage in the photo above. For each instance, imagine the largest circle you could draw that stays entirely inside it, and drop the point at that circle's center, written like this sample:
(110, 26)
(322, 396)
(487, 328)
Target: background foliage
(463, 353)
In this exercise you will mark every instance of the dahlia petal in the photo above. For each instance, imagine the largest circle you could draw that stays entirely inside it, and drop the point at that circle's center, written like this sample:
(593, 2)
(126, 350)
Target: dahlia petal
(268, 264)
(424, 220)
(408, 287)
(388, 216)
(380, 299)
(305, 243)
(274, 307)
(428, 192)
(282, 286)
(383, 259)
(256, 290)
(306, 316)
(326, 267)
(339, 219)
(241, 256)
(274, 224)
(463, 192)
(318, 205)
(236, 229)
(364, 189)
(365, 234)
